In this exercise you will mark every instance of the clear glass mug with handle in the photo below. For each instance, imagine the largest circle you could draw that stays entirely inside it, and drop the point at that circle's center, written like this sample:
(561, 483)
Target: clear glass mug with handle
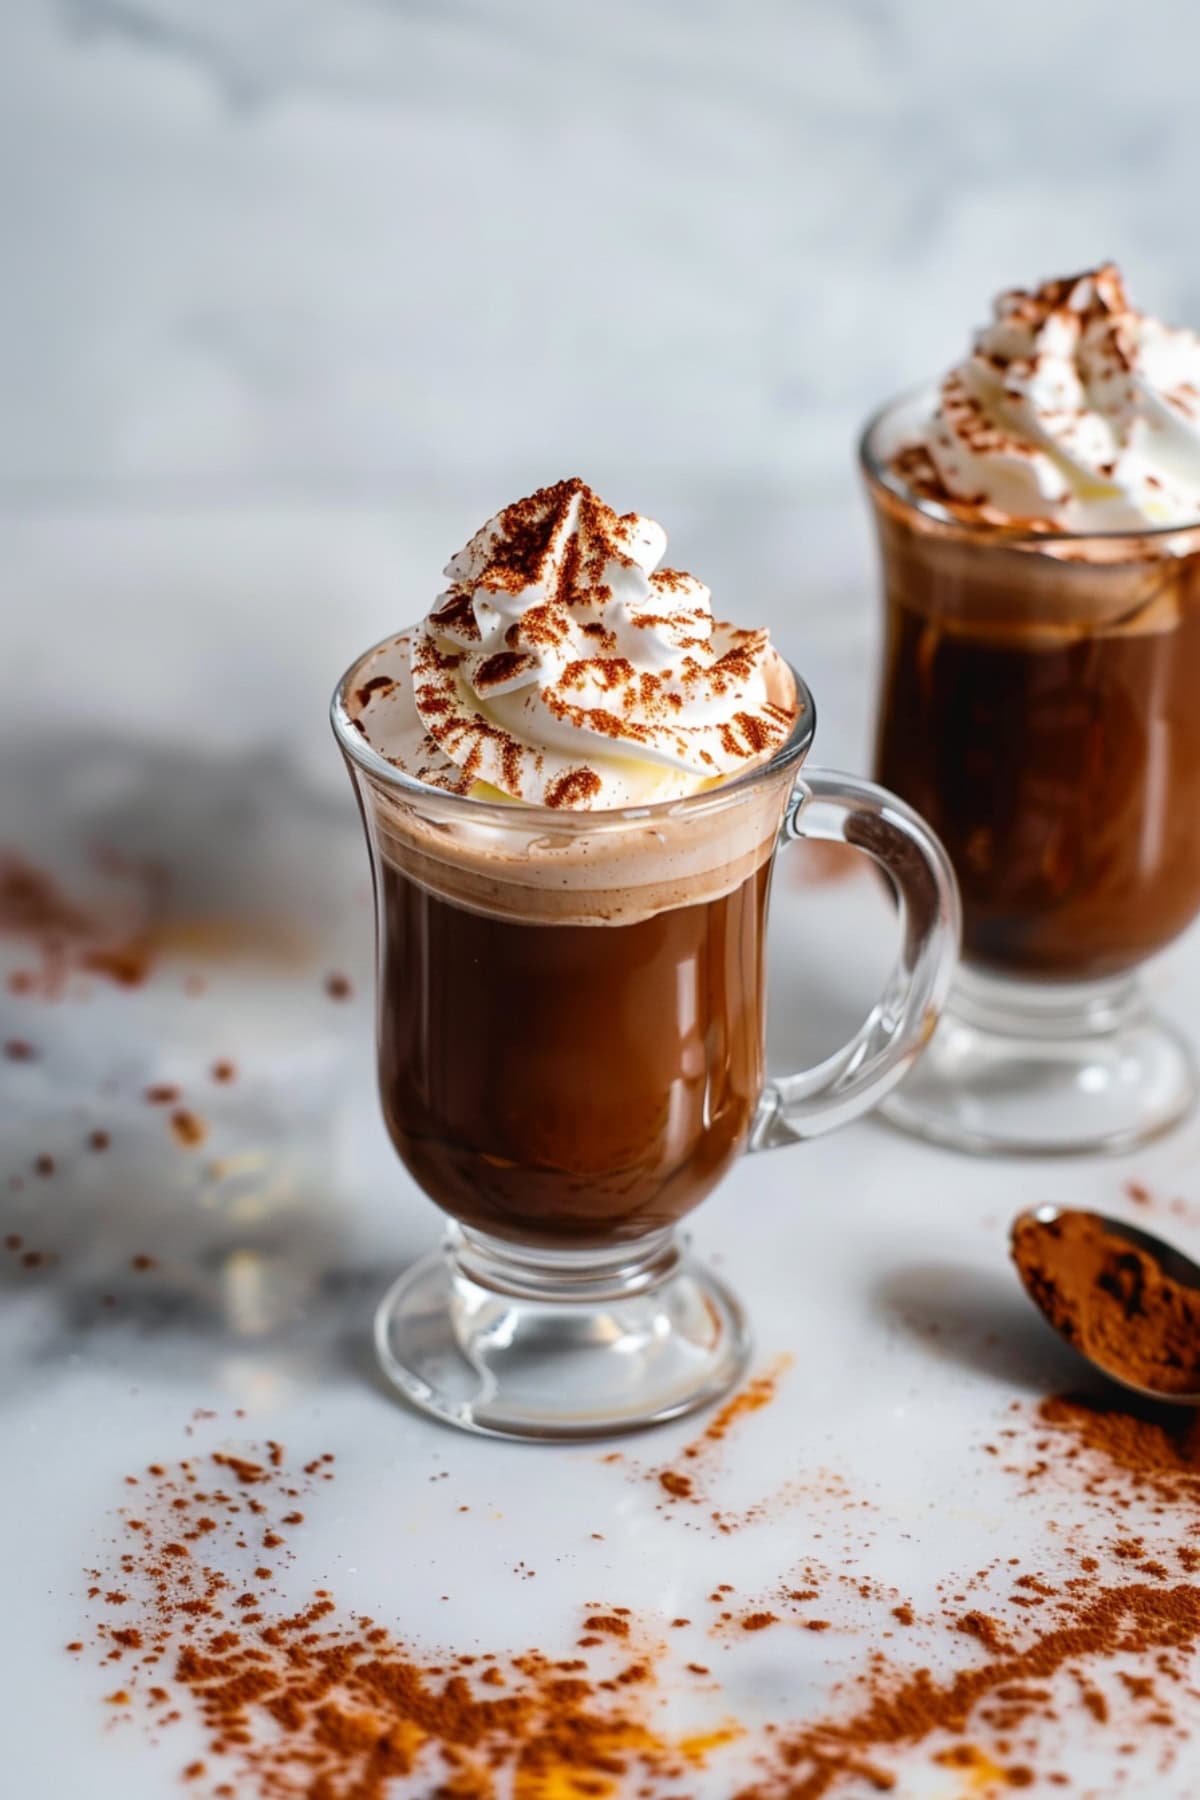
(571, 1014)
(1037, 704)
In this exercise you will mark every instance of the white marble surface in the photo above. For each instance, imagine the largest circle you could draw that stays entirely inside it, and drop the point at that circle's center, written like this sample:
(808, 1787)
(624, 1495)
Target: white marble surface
(175, 669)
(294, 295)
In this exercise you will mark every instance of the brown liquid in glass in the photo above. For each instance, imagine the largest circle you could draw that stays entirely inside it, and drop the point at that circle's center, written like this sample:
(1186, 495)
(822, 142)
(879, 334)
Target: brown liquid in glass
(1062, 775)
(570, 1085)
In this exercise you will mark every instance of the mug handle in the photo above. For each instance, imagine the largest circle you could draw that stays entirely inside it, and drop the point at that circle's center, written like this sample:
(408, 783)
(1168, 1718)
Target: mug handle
(841, 809)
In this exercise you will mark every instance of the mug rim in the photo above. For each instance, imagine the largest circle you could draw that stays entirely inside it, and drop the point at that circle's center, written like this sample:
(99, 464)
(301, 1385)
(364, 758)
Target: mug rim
(877, 473)
(354, 746)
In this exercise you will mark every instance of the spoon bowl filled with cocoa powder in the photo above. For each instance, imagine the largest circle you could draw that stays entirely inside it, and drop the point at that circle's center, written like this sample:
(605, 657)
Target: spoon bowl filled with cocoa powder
(1125, 1300)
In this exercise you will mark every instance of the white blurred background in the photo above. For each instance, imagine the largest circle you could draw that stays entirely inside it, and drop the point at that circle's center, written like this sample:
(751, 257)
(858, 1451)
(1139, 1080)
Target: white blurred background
(298, 291)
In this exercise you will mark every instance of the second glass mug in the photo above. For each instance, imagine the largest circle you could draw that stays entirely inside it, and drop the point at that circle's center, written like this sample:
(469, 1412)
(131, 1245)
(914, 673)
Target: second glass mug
(571, 1044)
(1038, 706)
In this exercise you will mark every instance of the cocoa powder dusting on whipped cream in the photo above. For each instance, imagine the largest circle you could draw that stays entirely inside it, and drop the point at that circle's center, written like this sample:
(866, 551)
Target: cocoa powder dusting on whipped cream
(563, 667)
(1073, 412)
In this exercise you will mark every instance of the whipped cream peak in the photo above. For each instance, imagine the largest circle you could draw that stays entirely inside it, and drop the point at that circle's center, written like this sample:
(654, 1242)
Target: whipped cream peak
(563, 666)
(1074, 412)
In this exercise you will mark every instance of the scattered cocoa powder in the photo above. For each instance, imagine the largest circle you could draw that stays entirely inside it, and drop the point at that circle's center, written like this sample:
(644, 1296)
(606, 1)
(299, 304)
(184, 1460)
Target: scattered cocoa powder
(310, 1702)
(980, 1625)
(65, 938)
(361, 1708)
(752, 1398)
(704, 1452)
(1147, 1449)
(904, 1710)
(188, 1128)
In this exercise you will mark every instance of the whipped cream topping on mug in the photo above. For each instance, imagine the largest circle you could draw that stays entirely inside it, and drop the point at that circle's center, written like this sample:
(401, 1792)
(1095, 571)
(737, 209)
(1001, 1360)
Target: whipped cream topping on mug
(564, 667)
(1073, 412)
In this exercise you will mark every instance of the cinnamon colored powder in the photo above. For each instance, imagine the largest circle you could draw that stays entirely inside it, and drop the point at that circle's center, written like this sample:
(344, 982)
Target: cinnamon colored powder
(1116, 1457)
(1148, 1451)
(64, 938)
(1112, 1301)
(906, 1710)
(307, 1702)
(703, 1452)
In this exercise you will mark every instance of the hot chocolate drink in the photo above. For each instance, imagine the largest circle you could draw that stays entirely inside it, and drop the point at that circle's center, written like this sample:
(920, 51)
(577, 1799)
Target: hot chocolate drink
(571, 1023)
(1041, 713)
(570, 1084)
(573, 781)
(1039, 522)
(1042, 649)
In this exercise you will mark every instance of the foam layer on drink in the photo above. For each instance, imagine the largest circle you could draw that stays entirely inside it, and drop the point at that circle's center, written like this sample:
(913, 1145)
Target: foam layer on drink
(1042, 590)
(564, 667)
(607, 870)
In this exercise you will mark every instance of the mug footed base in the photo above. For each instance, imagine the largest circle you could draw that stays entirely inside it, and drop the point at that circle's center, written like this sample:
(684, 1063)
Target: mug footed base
(1045, 1069)
(560, 1344)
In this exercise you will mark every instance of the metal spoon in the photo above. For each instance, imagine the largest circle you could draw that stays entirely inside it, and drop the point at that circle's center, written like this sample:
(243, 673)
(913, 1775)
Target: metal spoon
(1171, 1262)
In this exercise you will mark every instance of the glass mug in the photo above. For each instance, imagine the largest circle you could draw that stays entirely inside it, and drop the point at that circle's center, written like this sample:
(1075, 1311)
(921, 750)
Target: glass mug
(1038, 705)
(571, 1047)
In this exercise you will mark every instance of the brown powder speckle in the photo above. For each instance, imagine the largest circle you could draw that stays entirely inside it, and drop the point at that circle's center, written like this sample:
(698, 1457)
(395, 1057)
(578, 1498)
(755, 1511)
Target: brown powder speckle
(574, 789)
(1110, 1298)
(188, 1128)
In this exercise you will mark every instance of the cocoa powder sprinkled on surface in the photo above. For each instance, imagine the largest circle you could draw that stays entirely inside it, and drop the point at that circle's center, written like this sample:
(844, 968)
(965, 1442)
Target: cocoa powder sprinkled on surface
(362, 1708)
(688, 1484)
(310, 1703)
(188, 1128)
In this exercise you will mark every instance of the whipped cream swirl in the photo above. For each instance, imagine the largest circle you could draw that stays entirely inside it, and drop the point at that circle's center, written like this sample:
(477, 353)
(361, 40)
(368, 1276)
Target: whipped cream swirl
(1073, 413)
(564, 667)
